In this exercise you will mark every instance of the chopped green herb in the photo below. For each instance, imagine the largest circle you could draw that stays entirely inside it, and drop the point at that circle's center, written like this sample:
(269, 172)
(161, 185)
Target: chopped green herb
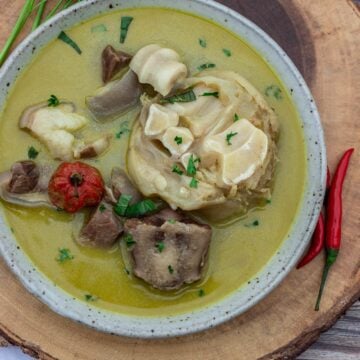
(124, 129)
(205, 66)
(160, 246)
(202, 42)
(53, 101)
(191, 168)
(227, 52)
(122, 205)
(268, 201)
(236, 117)
(201, 292)
(141, 208)
(67, 40)
(171, 270)
(177, 170)
(178, 140)
(89, 297)
(129, 240)
(102, 208)
(99, 28)
(194, 183)
(127, 271)
(32, 153)
(64, 255)
(124, 28)
(172, 221)
(187, 95)
(275, 91)
(254, 223)
(229, 136)
(215, 94)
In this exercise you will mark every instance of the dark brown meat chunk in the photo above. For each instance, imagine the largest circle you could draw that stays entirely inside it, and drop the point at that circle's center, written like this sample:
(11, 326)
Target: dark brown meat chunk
(112, 62)
(24, 177)
(170, 250)
(103, 228)
(121, 185)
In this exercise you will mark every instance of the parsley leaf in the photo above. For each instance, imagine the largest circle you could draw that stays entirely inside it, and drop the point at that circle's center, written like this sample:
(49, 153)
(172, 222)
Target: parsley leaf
(160, 246)
(102, 208)
(122, 205)
(172, 221)
(177, 170)
(227, 52)
(141, 208)
(215, 94)
(129, 240)
(206, 66)
(275, 91)
(53, 101)
(178, 140)
(201, 292)
(64, 255)
(229, 136)
(253, 224)
(89, 297)
(194, 183)
(32, 153)
(236, 117)
(202, 42)
(124, 129)
(124, 27)
(191, 168)
(187, 95)
(67, 40)
(171, 270)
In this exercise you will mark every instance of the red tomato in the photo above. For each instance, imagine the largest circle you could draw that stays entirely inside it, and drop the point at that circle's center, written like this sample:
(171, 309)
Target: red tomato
(75, 185)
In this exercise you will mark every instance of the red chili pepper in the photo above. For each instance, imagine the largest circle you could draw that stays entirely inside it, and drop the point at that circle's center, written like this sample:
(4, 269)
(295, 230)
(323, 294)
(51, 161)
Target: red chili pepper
(317, 242)
(333, 219)
(75, 185)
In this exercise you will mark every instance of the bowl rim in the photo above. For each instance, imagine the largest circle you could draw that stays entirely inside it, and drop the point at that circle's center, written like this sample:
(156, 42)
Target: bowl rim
(280, 264)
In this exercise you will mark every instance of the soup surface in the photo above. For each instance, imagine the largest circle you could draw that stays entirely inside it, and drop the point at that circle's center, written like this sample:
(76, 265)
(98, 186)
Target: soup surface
(239, 248)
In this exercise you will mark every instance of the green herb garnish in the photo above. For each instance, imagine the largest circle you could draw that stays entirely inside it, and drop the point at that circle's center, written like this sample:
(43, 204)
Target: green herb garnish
(67, 40)
(201, 292)
(254, 223)
(160, 246)
(53, 101)
(99, 28)
(227, 52)
(215, 94)
(170, 268)
(178, 140)
(141, 208)
(102, 208)
(127, 271)
(176, 169)
(89, 297)
(124, 129)
(205, 66)
(236, 117)
(124, 28)
(64, 255)
(122, 205)
(268, 201)
(230, 136)
(275, 91)
(129, 240)
(191, 168)
(202, 42)
(187, 95)
(32, 153)
(172, 221)
(194, 183)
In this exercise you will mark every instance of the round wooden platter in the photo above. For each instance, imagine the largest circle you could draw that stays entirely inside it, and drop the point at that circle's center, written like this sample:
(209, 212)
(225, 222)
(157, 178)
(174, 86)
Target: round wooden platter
(323, 39)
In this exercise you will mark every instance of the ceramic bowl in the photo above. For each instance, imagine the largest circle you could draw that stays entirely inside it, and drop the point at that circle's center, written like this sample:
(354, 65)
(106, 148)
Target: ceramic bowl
(289, 252)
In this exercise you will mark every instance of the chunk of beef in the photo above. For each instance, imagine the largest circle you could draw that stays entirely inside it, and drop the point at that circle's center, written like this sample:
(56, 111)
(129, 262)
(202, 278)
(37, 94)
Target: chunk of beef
(112, 62)
(24, 177)
(170, 250)
(103, 228)
(121, 185)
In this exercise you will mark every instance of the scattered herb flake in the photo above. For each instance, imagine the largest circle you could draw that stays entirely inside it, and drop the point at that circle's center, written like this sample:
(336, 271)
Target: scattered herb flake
(129, 240)
(124, 129)
(230, 136)
(122, 205)
(102, 208)
(67, 40)
(171, 270)
(176, 169)
(141, 208)
(187, 95)
(127, 271)
(178, 140)
(89, 297)
(214, 93)
(99, 28)
(124, 28)
(253, 224)
(275, 91)
(202, 42)
(205, 66)
(172, 221)
(201, 292)
(268, 201)
(53, 101)
(64, 255)
(194, 183)
(236, 117)
(32, 153)
(227, 52)
(191, 168)
(160, 246)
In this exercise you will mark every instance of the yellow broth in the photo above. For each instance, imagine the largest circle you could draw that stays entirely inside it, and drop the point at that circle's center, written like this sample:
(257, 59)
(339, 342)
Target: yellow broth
(238, 251)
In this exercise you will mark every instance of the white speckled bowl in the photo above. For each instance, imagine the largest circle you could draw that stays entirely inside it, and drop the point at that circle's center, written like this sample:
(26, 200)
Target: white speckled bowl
(291, 249)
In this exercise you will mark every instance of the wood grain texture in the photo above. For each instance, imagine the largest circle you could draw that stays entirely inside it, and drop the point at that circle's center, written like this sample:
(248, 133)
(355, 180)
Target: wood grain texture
(323, 39)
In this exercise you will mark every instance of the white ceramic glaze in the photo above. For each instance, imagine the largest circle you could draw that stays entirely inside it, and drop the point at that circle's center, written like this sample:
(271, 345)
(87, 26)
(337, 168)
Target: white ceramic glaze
(281, 263)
